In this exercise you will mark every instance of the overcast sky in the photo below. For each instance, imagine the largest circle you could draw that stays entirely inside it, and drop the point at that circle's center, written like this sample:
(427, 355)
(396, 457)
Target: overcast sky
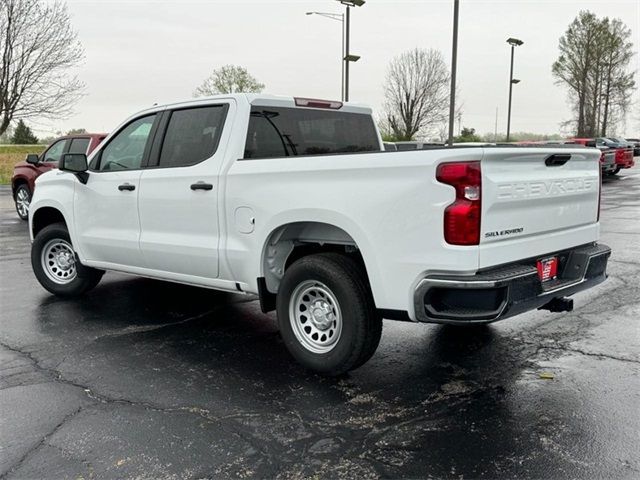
(138, 53)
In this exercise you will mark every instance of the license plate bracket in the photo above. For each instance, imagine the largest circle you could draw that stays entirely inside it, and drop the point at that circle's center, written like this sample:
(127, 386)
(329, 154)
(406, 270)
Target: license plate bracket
(547, 269)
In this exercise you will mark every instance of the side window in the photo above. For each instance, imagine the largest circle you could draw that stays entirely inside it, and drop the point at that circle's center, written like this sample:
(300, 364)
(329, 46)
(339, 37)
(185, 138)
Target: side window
(126, 149)
(79, 145)
(192, 135)
(54, 152)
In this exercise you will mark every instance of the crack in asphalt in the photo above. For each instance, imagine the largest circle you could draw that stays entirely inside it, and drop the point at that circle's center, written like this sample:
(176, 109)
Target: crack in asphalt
(566, 348)
(98, 398)
(38, 445)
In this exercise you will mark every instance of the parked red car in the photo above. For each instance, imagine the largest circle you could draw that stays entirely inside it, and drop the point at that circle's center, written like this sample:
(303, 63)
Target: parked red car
(624, 152)
(25, 173)
(607, 155)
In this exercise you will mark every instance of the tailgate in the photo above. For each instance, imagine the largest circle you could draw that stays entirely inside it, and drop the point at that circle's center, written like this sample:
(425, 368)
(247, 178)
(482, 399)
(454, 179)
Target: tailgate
(537, 201)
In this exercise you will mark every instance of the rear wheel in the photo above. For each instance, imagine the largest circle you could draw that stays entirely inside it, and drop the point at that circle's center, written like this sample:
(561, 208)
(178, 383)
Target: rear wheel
(23, 199)
(326, 314)
(55, 263)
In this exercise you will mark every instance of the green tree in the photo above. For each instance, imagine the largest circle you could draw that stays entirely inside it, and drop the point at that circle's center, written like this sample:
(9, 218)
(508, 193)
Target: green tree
(23, 135)
(467, 135)
(594, 66)
(229, 79)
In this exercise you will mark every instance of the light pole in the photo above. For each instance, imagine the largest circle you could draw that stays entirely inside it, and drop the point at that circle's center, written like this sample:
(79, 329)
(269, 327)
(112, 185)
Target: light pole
(348, 58)
(514, 42)
(339, 17)
(454, 62)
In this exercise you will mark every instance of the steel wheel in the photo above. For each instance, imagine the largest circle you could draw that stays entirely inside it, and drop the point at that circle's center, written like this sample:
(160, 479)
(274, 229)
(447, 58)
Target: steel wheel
(315, 316)
(22, 202)
(59, 261)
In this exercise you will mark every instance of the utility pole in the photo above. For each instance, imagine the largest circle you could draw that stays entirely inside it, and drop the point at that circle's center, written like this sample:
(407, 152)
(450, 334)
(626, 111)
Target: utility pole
(454, 60)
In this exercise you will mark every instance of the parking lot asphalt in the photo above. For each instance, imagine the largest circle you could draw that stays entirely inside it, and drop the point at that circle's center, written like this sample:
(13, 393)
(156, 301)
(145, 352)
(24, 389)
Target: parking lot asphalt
(153, 380)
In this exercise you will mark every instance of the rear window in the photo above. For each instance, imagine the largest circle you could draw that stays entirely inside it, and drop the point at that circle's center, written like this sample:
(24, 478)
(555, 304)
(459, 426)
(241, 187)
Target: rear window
(282, 132)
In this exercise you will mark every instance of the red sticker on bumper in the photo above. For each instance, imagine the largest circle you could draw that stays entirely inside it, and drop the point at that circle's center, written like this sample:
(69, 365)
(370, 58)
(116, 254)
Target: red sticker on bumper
(548, 269)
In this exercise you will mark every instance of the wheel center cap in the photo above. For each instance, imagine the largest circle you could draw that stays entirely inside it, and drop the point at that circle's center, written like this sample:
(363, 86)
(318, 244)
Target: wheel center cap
(64, 261)
(321, 316)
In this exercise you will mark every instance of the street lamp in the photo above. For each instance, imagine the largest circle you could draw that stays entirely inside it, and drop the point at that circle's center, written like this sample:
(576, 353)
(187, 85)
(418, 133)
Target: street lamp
(454, 63)
(339, 17)
(348, 58)
(514, 42)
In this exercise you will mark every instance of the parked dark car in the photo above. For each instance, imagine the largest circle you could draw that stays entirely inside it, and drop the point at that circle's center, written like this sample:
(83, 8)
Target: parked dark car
(25, 173)
(636, 145)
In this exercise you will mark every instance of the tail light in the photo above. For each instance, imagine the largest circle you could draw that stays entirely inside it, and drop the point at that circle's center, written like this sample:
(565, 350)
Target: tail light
(462, 217)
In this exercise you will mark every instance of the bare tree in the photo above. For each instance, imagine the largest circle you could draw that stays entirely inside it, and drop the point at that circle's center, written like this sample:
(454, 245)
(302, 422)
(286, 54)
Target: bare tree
(229, 79)
(593, 64)
(38, 47)
(416, 93)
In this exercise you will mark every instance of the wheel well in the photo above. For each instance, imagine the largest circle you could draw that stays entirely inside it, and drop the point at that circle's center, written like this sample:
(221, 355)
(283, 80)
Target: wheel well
(16, 183)
(293, 241)
(46, 216)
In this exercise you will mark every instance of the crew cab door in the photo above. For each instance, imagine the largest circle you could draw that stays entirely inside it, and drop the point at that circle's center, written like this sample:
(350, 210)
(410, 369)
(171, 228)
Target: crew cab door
(179, 192)
(106, 208)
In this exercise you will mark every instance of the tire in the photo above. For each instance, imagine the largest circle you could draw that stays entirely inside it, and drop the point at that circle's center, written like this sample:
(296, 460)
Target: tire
(55, 263)
(337, 288)
(615, 172)
(22, 199)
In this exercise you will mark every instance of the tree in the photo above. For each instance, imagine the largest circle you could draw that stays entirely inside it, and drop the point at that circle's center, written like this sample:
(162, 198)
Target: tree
(593, 64)
(37, 48)
(6, 136)
(76, 131)
(416, 93)
(467, 135)
(229, 79)
(23, 135)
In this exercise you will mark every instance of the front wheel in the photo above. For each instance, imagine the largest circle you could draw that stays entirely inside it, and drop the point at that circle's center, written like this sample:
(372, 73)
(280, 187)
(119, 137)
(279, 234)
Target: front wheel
(23, 199)
(326, 314)
(55, 263)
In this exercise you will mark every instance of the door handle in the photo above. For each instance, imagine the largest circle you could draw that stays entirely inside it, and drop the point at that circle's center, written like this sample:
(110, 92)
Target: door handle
(201, 186)
(126, 186)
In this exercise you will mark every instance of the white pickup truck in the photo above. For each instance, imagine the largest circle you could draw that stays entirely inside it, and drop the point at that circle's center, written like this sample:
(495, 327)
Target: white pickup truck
(294, 200)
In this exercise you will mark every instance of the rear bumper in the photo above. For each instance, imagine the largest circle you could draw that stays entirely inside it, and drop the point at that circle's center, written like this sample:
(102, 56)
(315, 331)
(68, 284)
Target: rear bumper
(625, 162)
(506, 291)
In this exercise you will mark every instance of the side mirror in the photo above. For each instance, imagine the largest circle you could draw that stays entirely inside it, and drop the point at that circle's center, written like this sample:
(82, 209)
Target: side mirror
(75, 163)
(32, 158)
